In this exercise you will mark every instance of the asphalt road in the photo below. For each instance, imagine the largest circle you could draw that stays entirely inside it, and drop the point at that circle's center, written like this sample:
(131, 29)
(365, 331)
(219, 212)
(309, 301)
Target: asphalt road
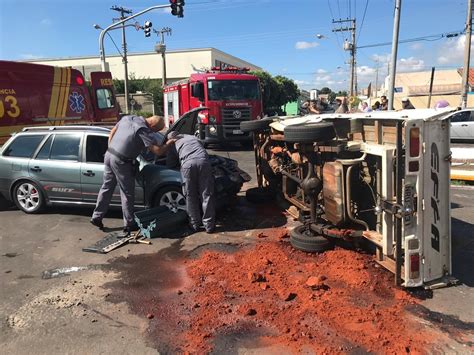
(69, 315)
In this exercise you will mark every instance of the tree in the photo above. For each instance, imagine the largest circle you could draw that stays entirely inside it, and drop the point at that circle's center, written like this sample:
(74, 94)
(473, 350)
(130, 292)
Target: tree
(325, 90)
(145, 85)
(276, 92)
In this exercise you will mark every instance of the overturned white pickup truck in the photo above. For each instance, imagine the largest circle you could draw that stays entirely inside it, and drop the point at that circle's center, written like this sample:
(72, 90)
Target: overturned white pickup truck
(380, 176)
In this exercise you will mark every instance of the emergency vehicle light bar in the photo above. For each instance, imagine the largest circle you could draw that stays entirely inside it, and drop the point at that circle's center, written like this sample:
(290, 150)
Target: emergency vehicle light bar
(230, 69)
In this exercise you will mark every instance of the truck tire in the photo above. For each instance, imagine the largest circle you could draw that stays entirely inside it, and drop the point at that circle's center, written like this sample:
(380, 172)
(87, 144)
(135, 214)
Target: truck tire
(309, 133)
(302, 239)
(260, 195)
(255, 125)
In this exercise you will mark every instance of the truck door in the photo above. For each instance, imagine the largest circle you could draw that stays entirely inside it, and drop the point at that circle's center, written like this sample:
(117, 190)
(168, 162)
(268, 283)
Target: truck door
(103, 97)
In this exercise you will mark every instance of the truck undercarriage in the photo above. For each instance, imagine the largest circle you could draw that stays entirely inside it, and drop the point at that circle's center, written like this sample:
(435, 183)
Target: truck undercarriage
(384, 179)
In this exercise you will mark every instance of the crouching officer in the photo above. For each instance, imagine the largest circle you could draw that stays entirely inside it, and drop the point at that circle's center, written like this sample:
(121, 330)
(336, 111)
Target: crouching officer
(126, 140)
(198, 181)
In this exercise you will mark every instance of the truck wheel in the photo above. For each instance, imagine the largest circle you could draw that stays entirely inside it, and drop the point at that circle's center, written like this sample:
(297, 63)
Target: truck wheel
(301, 238)
(28, 197)
(309, 133)
(260, 195)
(255, 125)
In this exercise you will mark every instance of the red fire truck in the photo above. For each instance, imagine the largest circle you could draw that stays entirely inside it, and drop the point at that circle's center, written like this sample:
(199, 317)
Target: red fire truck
(231, 94)
(34, 94)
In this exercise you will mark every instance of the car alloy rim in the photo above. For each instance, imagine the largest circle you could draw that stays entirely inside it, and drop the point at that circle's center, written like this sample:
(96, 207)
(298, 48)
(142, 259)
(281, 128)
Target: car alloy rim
(174, 200)
(28, 196)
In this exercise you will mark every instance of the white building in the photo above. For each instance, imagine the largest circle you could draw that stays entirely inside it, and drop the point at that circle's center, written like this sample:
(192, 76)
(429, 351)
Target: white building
(179, 63)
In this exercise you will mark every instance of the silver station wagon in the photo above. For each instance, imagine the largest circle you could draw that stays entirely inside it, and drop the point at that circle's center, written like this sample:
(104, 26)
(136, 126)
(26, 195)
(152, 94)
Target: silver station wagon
(57, 165)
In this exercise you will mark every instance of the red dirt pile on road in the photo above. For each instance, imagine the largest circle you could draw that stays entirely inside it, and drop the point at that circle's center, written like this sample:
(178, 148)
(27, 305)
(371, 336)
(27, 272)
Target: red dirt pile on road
(335, 302)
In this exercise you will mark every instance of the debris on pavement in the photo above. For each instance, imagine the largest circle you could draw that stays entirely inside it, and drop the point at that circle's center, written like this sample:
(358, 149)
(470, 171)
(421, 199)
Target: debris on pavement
(338, 301)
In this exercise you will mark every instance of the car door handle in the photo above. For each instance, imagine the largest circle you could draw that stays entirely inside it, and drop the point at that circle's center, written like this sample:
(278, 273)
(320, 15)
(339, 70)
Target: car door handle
(36, 169)
(464, 125)
(88, 173)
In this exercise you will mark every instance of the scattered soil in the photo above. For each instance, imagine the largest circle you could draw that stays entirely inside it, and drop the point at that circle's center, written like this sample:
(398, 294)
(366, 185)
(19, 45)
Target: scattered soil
(270, 294)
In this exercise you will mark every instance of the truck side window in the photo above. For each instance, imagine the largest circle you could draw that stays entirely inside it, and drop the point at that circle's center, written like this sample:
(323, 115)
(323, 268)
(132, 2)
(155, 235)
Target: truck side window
(23, 146)
(65, 147)
(104, 98)
(96, 146)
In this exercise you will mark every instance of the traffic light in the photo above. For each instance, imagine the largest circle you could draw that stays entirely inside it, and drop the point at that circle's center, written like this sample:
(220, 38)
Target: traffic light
(147, 28)
(177, 8)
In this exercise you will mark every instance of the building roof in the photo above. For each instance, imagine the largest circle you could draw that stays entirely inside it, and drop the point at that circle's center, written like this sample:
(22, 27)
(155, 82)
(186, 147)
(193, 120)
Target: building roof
(470, 77)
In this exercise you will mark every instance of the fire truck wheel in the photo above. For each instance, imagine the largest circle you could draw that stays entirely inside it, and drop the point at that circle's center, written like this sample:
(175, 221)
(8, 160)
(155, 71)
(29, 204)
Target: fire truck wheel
(301, 238)
(255, 125)
(309, 133)
(260, 195)
(28, 197)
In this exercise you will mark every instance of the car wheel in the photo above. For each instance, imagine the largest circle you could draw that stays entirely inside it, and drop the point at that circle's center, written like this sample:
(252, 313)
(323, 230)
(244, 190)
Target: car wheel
(255, 125)
(303, 239)
(260, 194)
(309, 133)
(28, 197)
(171, 197)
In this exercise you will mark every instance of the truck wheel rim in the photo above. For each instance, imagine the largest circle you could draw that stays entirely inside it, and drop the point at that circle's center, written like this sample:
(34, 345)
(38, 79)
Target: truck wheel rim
(28, 196)
(175, 201)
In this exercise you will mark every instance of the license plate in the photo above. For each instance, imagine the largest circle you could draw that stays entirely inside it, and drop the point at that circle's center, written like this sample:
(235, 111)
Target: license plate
(237, 131)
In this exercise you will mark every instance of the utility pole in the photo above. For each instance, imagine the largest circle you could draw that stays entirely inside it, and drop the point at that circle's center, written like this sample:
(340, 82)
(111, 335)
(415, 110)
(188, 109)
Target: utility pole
(376, 77)
(352, 48)
(124, 12)
(161, 48)
(467, 56)
(393, 60)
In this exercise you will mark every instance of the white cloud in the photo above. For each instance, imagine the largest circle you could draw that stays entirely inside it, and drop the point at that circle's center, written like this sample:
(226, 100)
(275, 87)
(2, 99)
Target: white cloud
(301, 82)
(381, 58)
(28, 56)
(410, 64)
(305, 45)
(321, 71)
(416, 46)
(323, 78)
(453, 51)
(330, 82)
(46, 22)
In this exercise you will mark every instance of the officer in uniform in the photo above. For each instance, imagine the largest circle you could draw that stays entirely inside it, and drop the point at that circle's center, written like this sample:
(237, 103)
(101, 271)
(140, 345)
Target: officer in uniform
(198, 181)
(126, 140)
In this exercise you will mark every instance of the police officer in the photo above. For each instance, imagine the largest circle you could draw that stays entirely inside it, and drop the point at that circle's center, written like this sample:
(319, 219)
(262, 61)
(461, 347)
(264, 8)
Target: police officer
(126, 140)
(198, 181)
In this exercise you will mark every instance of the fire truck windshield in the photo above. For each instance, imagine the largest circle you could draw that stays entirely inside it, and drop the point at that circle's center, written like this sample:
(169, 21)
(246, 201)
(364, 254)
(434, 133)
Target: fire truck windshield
(233, 90)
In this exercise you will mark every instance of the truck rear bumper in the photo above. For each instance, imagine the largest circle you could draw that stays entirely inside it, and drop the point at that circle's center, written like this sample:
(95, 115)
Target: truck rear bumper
(221, 134)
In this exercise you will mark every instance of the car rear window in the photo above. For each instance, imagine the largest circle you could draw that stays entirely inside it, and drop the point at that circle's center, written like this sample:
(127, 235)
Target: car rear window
(24, 146)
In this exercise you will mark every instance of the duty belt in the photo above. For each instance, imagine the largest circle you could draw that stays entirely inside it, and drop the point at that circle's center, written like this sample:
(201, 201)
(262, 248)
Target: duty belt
(120, 156)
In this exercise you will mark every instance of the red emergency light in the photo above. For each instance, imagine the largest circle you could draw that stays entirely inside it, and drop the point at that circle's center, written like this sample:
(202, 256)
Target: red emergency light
(79, 80)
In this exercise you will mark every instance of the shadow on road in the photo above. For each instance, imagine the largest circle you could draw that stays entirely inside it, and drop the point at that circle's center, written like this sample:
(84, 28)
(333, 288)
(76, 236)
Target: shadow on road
(463, 251)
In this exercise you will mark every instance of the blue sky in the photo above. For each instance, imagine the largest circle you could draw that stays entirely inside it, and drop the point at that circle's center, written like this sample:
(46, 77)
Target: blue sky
(277, 35)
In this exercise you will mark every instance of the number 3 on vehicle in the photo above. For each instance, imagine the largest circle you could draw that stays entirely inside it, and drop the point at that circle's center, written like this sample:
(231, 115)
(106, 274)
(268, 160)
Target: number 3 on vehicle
(13, 111)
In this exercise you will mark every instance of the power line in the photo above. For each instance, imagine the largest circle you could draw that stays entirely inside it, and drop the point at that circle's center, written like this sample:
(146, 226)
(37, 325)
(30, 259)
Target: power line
(429, 38)
(339, 8)
(363, 18)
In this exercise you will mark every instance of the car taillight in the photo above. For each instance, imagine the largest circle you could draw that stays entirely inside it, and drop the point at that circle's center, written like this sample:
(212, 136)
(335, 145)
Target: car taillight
(414, 266)
(414, 142)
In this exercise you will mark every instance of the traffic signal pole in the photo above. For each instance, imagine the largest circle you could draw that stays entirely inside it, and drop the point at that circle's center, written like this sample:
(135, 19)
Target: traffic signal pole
(124, 12)
(103, 62)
